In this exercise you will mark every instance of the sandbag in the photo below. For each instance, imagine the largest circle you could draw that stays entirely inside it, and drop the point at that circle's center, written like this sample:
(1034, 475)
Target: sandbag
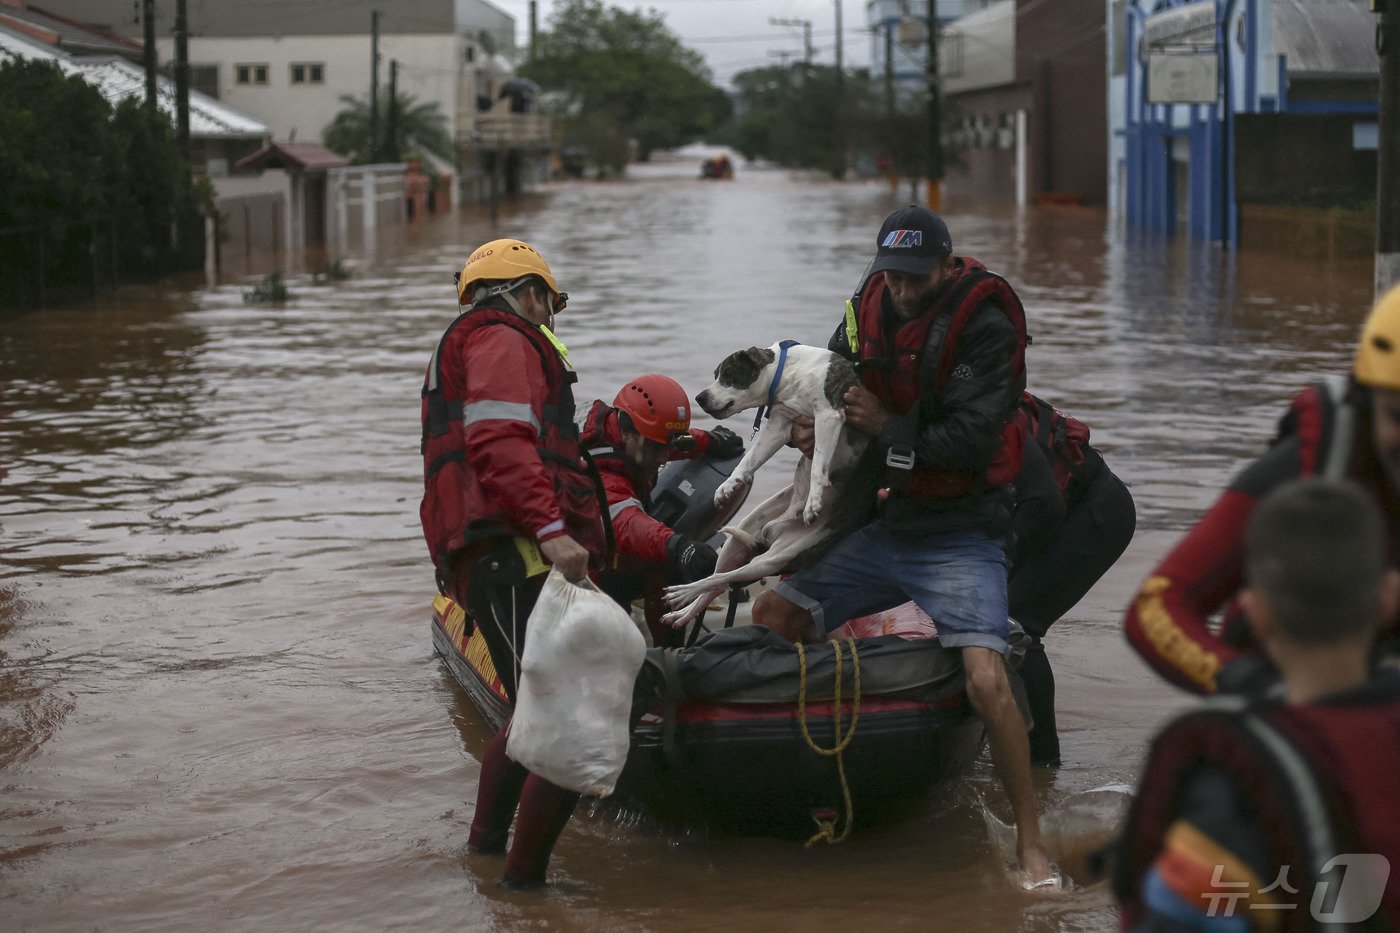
(582, 654)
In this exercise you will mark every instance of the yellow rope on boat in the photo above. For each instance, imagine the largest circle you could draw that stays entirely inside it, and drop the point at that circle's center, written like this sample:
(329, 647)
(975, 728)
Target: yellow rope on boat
(827, 828)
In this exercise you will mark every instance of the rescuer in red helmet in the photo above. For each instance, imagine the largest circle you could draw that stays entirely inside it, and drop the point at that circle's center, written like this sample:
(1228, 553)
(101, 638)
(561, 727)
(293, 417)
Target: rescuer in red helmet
(646, 426)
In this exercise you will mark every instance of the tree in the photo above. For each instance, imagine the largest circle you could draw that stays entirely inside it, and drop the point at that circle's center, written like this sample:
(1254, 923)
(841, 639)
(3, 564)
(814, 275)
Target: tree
(417, 126)
(623, 76)
(85, 187)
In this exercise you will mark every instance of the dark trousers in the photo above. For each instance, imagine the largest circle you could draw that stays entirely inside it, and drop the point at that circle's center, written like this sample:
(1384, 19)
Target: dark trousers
(1048, 582)
(499, 603)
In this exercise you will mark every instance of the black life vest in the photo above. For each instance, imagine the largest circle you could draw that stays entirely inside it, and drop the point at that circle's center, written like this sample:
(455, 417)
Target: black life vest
(1321, 780)
(1065, 441)
(913, 365)
(456, 511)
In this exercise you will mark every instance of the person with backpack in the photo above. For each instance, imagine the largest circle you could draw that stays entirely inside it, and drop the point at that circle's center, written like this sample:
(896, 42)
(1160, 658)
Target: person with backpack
(1074, 518)
(1336, 428)
(1278, 812)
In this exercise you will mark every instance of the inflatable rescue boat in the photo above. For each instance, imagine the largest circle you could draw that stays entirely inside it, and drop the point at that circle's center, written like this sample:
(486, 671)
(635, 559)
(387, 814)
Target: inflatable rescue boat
(745, 731)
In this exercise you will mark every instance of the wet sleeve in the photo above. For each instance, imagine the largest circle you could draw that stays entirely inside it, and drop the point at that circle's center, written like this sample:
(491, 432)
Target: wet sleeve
(1168, 622)
(638, 534)
(1213, 866)
(975, 403)
(505, 390)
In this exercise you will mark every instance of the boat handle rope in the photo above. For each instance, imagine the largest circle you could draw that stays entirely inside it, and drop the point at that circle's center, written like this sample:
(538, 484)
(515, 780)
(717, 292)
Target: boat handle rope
(827, 828)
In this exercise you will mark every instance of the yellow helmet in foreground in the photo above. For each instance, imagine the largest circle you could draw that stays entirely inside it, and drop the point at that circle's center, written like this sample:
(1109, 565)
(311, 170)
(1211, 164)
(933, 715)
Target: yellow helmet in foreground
(505, 261)
(1378, 355)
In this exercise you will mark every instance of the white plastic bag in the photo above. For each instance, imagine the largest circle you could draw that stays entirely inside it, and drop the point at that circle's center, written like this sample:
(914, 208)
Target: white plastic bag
(582, 654)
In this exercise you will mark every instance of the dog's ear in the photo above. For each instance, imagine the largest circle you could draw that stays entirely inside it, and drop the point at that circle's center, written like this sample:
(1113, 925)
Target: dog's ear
(761, 356)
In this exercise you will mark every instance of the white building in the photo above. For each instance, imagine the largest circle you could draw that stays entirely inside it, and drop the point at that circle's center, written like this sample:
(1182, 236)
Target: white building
(290, 63)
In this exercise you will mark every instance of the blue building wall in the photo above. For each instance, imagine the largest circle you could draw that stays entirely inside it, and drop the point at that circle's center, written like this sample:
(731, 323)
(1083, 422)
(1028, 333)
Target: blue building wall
(1149, 142)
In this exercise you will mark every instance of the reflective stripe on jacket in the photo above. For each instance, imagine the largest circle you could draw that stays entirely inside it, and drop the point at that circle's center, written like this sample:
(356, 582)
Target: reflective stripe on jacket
(500, 449)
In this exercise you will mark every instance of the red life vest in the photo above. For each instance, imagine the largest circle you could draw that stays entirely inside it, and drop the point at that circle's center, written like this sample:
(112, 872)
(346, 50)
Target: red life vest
(1065, 441)
(1321, 779)
(912, 367)
(456, 511)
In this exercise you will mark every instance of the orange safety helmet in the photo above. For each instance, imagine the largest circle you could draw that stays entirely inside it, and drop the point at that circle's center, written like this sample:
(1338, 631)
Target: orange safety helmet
(506, 261)
(655, 407)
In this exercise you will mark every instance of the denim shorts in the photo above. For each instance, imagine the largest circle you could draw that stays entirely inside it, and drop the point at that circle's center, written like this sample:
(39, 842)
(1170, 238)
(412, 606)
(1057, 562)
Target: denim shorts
(959, 579)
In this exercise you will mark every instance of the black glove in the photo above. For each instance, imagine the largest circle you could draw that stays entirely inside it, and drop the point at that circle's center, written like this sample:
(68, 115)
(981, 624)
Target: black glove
(689, 560)
(1249, 675)
(724, 444)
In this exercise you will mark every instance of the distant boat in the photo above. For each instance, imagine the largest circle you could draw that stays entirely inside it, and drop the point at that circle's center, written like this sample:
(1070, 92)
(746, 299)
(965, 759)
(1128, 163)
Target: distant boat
(717, 167)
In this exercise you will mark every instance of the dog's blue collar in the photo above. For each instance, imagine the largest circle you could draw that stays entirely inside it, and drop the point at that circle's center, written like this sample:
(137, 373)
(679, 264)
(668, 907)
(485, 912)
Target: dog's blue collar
(764, 409)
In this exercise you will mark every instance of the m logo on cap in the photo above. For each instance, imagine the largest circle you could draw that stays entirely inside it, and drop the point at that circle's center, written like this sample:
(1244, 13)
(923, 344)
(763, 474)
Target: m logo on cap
(903, 239)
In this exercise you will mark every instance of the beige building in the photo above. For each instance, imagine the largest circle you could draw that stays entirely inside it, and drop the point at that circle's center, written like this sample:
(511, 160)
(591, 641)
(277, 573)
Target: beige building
(289, 64)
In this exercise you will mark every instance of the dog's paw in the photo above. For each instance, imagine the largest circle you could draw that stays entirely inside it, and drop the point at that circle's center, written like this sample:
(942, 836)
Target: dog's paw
(812, 510)
(728, 490)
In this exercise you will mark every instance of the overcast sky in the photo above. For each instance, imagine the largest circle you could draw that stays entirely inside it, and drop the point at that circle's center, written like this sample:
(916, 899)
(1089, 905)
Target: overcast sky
(734, 35)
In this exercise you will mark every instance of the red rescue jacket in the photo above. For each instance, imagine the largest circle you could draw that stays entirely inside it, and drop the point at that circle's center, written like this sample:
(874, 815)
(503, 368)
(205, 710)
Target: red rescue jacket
(638, 534)
(1320, 777)
(1326, 430)
(494, 465)
(919, 358)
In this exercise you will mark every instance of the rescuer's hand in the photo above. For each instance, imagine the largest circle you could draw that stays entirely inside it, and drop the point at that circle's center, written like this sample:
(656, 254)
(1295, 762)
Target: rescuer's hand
(689, 560)
(568, 555)
(864, 411)
(724, 444)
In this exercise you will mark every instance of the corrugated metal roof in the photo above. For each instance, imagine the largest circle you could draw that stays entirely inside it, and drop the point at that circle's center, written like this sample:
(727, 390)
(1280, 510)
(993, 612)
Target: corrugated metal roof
(73, 36)
(1325, 37)
(119, 79)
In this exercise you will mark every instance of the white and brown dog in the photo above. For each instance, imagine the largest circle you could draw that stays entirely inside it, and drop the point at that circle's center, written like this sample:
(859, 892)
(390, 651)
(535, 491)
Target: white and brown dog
(786, 380)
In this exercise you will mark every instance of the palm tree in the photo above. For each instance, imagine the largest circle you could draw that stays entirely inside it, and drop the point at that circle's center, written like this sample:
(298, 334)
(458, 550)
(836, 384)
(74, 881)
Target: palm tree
(404, 125)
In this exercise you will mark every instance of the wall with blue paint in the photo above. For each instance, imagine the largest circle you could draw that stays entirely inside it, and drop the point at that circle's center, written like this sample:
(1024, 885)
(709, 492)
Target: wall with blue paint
(1149, 142)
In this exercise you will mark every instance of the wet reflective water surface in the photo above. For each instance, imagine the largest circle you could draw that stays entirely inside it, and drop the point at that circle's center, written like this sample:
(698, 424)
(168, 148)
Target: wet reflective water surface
(219, 705)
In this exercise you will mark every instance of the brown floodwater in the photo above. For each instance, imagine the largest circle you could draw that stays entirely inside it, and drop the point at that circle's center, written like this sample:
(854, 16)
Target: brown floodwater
(219, 705)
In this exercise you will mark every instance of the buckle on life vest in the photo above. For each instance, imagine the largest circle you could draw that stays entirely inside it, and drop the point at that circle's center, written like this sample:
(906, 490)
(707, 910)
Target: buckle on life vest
(900, 458)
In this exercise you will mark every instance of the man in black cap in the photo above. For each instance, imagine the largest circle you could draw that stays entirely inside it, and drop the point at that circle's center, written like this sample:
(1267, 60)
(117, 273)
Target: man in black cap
(939, 343)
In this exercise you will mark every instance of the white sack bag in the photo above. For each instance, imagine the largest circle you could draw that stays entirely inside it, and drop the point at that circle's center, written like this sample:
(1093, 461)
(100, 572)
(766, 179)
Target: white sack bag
(582, 654)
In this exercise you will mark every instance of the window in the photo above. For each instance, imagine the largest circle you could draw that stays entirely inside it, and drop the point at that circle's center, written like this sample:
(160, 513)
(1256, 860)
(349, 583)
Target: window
(308, 72)
(205, 79)
(250, 74)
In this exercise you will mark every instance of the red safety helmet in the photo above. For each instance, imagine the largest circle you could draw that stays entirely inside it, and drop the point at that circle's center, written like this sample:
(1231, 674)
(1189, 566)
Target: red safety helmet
(655, 407)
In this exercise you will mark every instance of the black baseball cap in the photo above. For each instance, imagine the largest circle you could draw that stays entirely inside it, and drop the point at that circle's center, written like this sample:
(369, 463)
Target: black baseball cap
(913, 239)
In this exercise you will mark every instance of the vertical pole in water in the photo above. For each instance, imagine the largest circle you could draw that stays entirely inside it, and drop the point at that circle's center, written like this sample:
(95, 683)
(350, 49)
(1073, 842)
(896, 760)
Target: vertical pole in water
(182, 79)
(1388, 147)
(148, 53)
(935, 115)
(374, 86)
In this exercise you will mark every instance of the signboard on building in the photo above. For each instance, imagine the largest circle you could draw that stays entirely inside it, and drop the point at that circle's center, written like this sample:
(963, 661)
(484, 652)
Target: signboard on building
(1182, 78)
(1180, 47)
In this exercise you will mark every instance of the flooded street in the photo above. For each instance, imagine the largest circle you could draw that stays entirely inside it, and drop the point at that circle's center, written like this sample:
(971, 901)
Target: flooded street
(219, 706)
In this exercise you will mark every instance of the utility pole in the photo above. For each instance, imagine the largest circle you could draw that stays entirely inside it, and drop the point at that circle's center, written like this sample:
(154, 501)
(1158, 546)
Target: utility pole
(935, 115)
(806, 25)
(840, 45)
(534, 27)
(391, 132)
(889, 69)
(148, 54)
(182, 79)
(374, 86)
(1388, 147)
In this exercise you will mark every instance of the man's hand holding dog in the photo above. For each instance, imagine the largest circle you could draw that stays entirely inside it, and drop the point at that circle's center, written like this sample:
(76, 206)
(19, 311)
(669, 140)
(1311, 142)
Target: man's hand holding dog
(864, 411)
